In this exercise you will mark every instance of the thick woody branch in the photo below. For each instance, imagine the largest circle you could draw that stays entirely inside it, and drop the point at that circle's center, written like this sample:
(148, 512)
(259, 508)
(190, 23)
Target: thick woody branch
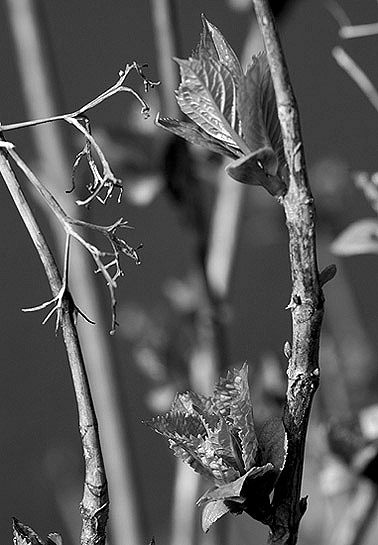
(95, 503)
(306, 302)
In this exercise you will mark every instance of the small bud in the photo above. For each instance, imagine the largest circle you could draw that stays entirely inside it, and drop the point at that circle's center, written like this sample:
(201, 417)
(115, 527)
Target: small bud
(287, 350)
(327, 274)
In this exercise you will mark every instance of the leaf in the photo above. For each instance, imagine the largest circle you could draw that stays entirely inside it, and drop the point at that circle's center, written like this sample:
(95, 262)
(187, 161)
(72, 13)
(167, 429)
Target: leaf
(207, 95)
(188, 402)
(54, 539)
(212, 512)
(232, 398)
(192, 456)
(257, 109)
(258, 168)
(273, 443)
(24, 535)
(189, 441)
(361, 237)
(195, 135)
(213, 43)
(233, 491)
(222, 442)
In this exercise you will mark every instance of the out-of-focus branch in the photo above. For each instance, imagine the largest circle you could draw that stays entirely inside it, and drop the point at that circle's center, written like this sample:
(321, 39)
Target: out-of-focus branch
(357, 74)
(353, 525)
(347, 30)
(95, 502)
(306, 302)
(167, 46)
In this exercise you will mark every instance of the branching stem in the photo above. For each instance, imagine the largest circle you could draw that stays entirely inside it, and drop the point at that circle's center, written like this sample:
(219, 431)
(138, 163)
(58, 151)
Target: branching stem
(95, 503)
(105, 182)
(111, 270)
(118, 87)
(306, 303)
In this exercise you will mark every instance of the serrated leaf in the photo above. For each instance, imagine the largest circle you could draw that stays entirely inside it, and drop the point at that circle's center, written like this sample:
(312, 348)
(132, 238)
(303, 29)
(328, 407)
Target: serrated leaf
(232, 399)
(195, 135)
(212, 43)
(256, 105)
(207, 95)
(212, 512)
(186, 425)
(187, 402)
(222, 442)
(361, 237)
(258, 168)
(24, 535)
(273, 443)
(191, 456)
(54, 539)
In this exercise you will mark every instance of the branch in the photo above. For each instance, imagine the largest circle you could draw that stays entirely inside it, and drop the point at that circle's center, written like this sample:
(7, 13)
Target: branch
(106, 181)
(306, 303)
(111, 270)
(357, 75)
(353, 525)
(95, 503)
(347, 30)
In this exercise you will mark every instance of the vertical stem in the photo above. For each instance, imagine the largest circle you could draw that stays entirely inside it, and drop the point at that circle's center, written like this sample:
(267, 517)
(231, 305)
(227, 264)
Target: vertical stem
(95, 502)
(306, 303)
(37, 81)
(166, 39)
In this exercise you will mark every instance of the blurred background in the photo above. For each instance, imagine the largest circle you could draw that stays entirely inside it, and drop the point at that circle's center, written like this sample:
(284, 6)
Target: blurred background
(214, 280)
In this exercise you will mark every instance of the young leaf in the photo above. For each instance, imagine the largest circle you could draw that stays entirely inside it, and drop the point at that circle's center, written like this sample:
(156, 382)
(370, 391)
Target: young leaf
(24, 535)
(258, 168)
(207, 95)
(175, 424)
(273, 443)
(54, 539)
(212, 43)
(361, 237)
(233, 490)
(195, 135)
(232, 113)
(213, 511)
(254, 90)
(232, 399)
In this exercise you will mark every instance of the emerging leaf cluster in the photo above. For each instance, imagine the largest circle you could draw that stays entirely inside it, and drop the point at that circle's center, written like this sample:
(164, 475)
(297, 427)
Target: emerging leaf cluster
(216, 436)
(231, 112)
(24, 535)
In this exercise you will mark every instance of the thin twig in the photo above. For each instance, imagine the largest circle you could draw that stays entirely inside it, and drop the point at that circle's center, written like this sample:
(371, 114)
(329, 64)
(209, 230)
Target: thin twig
(106, 181)
(118, 87)
(358, 31)
(347, 30)
(95, 503)
(110, 270)
(357, 74)
(306, 303)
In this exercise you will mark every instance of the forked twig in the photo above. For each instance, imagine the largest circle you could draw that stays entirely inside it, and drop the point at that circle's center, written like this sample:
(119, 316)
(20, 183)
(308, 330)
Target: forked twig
(59, 298)
(347, 30)
(110, 270)
(106, 181)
